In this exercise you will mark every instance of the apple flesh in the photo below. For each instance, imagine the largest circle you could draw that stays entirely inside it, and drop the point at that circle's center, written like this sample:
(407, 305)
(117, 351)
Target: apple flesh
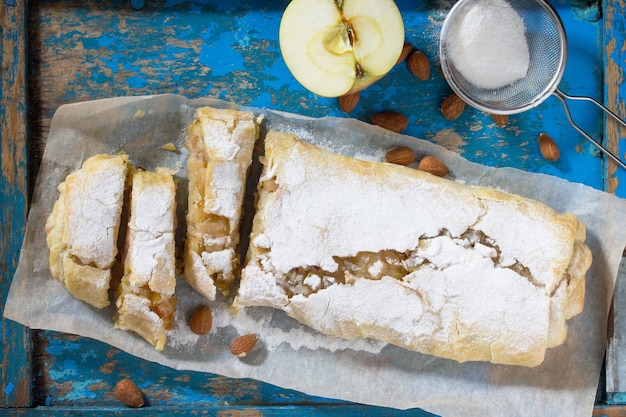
(335, 47)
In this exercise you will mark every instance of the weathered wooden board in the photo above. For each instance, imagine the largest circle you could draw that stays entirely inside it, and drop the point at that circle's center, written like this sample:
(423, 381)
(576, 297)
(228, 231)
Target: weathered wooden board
(14, 370)
(99, 50)
(615, 95)
(83, 50)
(614, 52)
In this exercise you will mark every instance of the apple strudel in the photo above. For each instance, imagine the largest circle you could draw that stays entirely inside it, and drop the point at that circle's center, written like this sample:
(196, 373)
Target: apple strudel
(83, 227)
(145, 298)
(221, 142)
(365, 249)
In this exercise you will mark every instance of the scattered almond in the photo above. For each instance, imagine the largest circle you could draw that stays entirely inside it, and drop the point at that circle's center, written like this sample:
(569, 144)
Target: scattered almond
(433, 166)
(400, 155)
(406, 50)
(127, 392)
(243, 345)
(419, 65)
(501, 120)
(201, 320)
(390, 120)
(348, 102)
(548, 147)
(452, 107)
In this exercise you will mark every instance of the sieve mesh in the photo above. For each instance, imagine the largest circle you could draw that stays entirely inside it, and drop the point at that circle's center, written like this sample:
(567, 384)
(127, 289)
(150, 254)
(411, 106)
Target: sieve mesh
(548, 52)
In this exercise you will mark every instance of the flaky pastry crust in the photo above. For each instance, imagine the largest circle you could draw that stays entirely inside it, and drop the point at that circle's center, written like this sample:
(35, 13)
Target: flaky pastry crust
(83, 227)
(365, 249)
(221, 142)
(146, 302)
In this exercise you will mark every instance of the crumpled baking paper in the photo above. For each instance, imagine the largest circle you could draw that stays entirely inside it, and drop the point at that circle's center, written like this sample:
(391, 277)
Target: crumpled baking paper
(291, 355)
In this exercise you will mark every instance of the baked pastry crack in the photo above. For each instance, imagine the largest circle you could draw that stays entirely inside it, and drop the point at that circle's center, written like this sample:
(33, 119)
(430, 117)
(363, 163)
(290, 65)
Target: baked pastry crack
(306, 280)
(363, 249)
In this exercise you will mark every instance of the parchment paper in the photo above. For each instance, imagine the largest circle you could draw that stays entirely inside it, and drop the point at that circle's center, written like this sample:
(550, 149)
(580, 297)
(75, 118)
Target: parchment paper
(291, 355)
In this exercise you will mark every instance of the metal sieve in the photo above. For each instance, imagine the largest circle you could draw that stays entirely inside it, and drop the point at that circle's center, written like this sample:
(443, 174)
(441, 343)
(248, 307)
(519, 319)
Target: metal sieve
(547, 45)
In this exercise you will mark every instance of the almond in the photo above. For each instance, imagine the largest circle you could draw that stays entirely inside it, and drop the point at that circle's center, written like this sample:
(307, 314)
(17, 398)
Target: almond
(348, 102)
(501, 120)
(390, 120)
(452, 107)
(243, 345)
(400, 155)
(419, 65)
(127, 392)
(548, 147)
(433, 166)
(406, 50)
(201, 320)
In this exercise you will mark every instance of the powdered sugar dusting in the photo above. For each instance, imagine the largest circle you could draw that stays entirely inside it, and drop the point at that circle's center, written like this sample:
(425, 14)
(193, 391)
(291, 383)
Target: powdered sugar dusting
(150, 254)
(262, 322)
(470, 293)
(299, 337)
(227, 186)
(338, 212)
(94, 195)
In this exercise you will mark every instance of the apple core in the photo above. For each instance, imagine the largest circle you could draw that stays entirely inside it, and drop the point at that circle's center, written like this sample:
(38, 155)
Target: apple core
(338, 40)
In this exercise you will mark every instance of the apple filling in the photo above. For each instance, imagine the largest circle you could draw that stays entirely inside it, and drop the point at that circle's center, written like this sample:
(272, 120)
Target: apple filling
(165, 308)
(306, 280)
(209, 234)
(162, 305)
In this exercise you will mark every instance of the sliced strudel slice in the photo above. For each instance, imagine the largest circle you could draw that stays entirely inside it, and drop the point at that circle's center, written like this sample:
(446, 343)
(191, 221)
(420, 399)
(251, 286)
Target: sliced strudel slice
(146, 301)
(221, 142)
(83, 227)
(365, 249)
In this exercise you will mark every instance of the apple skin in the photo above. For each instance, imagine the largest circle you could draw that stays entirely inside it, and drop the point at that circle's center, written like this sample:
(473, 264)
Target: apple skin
(336, 49)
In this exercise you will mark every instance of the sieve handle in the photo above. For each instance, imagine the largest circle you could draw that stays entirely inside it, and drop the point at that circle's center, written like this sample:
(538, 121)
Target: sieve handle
(563, 97)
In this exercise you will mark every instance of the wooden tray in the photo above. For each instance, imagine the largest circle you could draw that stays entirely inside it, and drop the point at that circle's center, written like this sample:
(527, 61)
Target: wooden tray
(55, 53)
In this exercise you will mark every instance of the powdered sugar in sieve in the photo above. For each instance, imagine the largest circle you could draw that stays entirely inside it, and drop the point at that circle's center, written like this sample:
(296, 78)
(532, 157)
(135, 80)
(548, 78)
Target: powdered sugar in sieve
(508, 56)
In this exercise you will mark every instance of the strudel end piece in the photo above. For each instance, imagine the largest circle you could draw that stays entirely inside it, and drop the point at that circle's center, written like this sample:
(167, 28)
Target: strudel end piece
(364, 249)
(83, 227)
(221, 142)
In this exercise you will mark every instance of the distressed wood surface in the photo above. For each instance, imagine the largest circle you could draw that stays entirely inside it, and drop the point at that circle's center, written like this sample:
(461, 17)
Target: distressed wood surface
(84, 50)
(15, 342)
(96, 50)
(606, 411)
(615, 94)
(615, 89)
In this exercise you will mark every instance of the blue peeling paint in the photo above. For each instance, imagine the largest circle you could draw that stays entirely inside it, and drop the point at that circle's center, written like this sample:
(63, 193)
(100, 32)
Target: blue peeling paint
(8, 390)
(80, 390)
(68, 370)
(222, 61)
(57, 347)
(137, 81)
(91, 354)
(196, 397)
(105, 40)
(111, 64)
(261, 100)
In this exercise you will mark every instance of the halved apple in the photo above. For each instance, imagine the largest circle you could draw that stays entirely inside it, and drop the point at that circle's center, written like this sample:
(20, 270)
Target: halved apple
(336, 47)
